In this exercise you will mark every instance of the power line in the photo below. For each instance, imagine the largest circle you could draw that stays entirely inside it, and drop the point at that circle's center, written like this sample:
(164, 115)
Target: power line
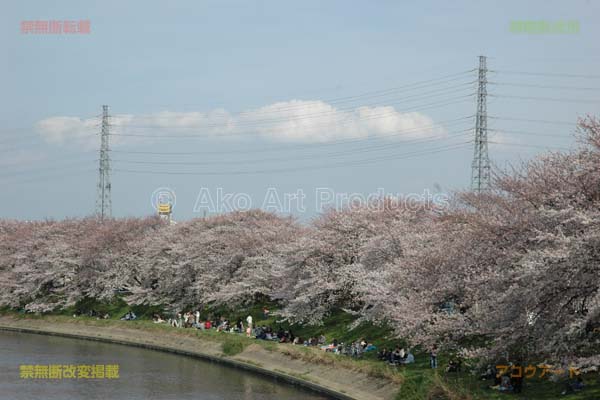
(550, 74)
(528, 133)
(446, 78)
(531, 145)
(60, 175)
(300, 169)
(378, 93)
(35, 144)
(415, 97)
(541, 121)
(380, 147)
(345, 116)
(544, 86)
(561, 100)
(370, 94)
(296, 146)
(51, 168)
(63, 158)
(445, 102)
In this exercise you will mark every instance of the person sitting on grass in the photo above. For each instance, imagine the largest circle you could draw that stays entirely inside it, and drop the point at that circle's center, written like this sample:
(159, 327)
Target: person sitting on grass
(409, 359)
(453, 366)
(395, 356)
(574, 386)
(383, 355)
(505, 385)
(157, 319)
(489, 373)
(129, 316)
(191, 321)
(260, 333)
(502, 383)
(321, 339)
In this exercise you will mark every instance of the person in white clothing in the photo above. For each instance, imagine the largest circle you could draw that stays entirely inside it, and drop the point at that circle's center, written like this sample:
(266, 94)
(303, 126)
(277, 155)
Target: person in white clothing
(249, 327)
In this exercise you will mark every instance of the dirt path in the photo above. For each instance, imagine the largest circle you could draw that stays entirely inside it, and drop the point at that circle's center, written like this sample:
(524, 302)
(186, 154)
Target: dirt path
(337, 382)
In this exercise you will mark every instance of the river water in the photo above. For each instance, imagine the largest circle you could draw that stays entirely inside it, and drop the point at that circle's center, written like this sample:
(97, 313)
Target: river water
(142, 374)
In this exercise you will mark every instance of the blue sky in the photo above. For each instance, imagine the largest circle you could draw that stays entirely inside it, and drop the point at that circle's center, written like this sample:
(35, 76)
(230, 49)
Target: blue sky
(263, 86)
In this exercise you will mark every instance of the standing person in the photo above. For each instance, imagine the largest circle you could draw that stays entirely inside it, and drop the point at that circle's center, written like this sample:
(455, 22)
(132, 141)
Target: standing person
(249, 321)
(433, 357)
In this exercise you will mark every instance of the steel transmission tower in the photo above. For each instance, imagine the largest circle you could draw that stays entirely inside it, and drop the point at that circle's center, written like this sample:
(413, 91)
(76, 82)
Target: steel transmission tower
(103, 199)
(480, 176)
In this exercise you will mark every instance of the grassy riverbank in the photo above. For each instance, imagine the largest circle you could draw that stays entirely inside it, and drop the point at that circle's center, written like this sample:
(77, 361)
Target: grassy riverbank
(415, 382)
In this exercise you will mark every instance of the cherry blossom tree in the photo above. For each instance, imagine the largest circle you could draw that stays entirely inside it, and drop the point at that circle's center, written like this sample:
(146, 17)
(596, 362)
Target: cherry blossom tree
(515, 269)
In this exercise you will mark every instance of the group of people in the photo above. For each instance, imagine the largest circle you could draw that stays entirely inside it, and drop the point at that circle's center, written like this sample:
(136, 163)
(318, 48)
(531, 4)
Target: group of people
(397, 356)
(355, 349)
(505, 381)
(129, 316)
(191, 319)
(510, 380)
(265, 332)
(92, 313)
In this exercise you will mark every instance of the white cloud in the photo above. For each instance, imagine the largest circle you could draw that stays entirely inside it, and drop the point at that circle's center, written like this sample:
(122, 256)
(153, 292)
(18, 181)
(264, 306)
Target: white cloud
(59, 129)
(502, 139)
(289, 121)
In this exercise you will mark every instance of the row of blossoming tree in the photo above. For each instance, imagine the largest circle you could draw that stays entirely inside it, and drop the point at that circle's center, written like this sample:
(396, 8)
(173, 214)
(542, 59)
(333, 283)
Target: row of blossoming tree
(512, 271)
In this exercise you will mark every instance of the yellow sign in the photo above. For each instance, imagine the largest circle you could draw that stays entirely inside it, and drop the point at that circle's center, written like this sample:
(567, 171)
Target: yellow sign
(164, 208)
(69, 371)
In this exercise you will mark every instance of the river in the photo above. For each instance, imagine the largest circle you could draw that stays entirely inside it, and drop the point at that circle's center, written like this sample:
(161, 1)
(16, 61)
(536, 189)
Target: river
(142, 374)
